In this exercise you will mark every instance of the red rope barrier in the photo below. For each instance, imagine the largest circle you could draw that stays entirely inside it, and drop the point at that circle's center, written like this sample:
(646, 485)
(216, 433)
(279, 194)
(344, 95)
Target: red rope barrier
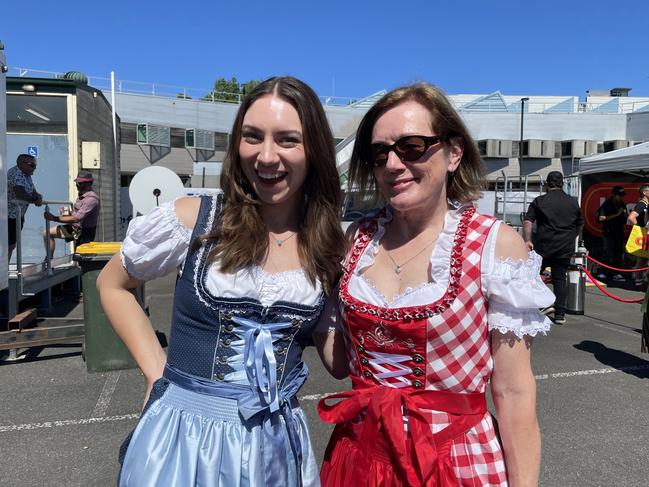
(642, 269)
(609, 294)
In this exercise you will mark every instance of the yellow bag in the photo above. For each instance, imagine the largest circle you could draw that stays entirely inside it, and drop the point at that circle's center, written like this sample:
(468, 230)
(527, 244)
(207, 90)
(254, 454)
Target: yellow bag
(637, 244)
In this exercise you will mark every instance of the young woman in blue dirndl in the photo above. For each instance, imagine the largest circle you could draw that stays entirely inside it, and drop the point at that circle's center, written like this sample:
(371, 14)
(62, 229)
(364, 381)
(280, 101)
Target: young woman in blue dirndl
(255, 263)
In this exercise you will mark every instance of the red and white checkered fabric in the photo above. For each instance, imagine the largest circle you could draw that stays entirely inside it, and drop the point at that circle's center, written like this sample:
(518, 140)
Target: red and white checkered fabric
(458, 352)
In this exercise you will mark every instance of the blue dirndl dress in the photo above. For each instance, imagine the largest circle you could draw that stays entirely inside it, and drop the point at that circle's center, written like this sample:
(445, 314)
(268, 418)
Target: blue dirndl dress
(225, 413)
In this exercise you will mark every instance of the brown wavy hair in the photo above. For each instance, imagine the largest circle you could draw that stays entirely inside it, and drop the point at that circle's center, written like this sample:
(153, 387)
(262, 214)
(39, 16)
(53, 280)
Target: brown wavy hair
(464, 185)
(241, 237)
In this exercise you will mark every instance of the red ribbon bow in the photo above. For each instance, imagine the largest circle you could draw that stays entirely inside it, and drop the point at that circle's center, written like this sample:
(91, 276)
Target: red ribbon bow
(422, 458)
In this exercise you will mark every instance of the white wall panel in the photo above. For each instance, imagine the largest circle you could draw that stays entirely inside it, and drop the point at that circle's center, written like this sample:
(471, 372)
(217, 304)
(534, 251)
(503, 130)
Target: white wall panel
(550, 126)
(638, 127)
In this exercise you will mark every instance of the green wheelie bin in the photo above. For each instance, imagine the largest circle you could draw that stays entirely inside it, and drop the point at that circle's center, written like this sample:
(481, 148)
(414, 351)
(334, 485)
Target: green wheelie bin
(103, 349)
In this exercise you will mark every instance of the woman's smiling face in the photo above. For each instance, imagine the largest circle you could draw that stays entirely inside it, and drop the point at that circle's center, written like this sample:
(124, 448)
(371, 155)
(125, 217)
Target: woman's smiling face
(271, 151)
(413, 185)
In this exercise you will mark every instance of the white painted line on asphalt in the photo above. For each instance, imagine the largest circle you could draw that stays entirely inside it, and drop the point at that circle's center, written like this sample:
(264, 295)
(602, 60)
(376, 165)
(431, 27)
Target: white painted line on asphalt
(557, 375)
(106, 395)
(314, 397)
(606, 370)
(66, 422)
(308, 397)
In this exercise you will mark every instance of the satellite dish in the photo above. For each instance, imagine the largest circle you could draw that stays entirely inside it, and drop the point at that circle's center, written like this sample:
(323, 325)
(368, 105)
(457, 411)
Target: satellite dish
(153, 186)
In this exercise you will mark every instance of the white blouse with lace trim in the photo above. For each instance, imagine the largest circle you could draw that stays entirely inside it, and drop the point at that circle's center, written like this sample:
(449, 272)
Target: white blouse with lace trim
(156, 244)
(514, 289)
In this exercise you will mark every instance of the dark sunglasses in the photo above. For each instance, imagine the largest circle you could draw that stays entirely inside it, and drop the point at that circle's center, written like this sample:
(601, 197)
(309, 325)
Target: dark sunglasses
(30, 164)
(408, 148)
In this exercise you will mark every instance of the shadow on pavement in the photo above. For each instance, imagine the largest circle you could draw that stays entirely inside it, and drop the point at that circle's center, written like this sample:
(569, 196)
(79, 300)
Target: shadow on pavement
(33, 354)
(622, 361)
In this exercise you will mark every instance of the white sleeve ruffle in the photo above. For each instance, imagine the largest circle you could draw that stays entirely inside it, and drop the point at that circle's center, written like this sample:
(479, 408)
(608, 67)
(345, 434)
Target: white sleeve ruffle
(155, 244)
(516, 293)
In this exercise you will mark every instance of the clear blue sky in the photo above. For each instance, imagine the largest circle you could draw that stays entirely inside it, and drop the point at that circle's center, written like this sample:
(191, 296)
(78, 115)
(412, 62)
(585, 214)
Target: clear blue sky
(353, 47)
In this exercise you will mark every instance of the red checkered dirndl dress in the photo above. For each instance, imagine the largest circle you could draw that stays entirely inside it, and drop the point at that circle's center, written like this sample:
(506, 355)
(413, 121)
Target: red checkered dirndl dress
(417, 412)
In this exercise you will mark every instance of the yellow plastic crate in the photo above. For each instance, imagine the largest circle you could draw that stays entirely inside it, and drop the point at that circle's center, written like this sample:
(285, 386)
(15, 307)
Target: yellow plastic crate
(99, 248)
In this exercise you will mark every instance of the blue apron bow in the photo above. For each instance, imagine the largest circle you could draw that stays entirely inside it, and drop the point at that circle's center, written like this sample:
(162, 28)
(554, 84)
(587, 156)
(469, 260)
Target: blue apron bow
(282, 447)
(259, 357)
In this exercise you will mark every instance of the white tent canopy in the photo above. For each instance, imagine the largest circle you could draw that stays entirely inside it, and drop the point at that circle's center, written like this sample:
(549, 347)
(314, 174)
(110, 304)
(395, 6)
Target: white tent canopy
(633, 158)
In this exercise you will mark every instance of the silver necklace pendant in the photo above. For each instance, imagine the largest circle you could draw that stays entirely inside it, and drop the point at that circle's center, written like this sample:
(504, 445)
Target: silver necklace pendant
(397, 270)
(281, 241)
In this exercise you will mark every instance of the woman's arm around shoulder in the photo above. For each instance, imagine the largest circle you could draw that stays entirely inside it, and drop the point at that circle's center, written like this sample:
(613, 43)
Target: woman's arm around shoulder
(328, 335)
(513, 385)
(329, 339)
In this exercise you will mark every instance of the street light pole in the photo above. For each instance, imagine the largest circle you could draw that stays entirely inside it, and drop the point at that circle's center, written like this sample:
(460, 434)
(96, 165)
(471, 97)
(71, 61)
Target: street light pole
(520, 146)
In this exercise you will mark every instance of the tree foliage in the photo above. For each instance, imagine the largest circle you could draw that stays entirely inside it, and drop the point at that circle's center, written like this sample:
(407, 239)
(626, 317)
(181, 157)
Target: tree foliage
(230, 90)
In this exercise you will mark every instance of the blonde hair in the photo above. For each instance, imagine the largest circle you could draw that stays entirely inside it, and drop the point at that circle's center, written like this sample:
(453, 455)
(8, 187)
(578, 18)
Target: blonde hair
(464, 185)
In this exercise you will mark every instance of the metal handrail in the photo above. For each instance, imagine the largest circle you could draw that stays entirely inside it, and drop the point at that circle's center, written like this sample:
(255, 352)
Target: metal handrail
(208, 94)
(508, 186)
(19, 253)
(57, 202)
(19, 215)
(164, 90)
(48, 257)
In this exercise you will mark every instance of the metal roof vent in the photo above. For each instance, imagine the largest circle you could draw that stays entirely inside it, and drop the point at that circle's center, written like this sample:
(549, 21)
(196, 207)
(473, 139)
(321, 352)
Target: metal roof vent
(620, 91)
(76, 76)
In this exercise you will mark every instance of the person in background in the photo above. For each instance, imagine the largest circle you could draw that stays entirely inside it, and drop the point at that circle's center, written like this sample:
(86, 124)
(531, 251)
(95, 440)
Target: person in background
(79, 226)
(20, 193)
(558, 221)
(612, 216)
(255, 263)
(437, 302)
(638, 216)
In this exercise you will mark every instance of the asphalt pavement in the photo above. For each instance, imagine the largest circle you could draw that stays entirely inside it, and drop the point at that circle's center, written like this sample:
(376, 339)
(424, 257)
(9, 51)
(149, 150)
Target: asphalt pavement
(62, 426)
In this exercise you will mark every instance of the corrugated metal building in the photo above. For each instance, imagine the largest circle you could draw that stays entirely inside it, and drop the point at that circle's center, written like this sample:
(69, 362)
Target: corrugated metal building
(54, 118)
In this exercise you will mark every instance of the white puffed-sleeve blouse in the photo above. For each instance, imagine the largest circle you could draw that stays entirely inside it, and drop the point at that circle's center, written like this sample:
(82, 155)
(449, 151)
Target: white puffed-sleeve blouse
(514, 289)
(156, 244)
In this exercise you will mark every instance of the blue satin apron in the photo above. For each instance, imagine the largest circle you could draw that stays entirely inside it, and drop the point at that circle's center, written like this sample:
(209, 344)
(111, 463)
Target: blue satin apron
(225, 413)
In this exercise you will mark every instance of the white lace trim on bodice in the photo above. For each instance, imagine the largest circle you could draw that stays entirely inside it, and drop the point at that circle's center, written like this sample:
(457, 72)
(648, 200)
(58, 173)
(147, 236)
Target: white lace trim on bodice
(157, 244)
(514, 289)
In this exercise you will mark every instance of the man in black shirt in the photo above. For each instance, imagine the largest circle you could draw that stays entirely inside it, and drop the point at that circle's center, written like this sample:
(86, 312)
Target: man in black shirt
(558, 223)
(612, 216)
(638, 216)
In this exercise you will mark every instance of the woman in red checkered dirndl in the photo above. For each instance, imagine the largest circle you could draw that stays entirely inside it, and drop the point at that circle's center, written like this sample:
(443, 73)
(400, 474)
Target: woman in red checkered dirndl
(436, 302)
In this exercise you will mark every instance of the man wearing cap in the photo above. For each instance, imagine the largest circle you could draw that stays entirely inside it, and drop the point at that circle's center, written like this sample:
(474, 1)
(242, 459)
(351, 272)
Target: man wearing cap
(81, 224)
(612, 215)
(558, 223)
(20, 193)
